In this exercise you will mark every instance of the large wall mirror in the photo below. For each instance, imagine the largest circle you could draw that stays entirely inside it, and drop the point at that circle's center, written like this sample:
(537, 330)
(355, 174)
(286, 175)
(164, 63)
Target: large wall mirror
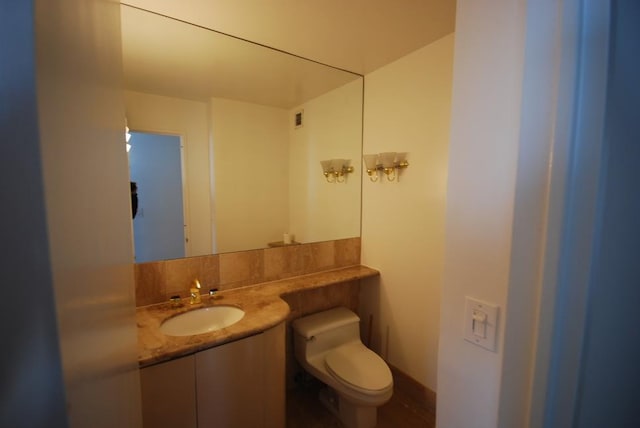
(244, 170)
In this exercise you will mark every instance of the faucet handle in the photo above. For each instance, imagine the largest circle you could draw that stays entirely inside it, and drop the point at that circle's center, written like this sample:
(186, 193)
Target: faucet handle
(213, 293)
(175, 301)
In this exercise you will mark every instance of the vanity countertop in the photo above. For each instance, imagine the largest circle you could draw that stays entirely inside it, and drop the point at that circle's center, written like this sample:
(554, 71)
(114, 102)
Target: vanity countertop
(262, 304)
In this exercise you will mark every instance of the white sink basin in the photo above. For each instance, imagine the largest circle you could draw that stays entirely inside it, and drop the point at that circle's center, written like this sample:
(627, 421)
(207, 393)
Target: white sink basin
(203, 320)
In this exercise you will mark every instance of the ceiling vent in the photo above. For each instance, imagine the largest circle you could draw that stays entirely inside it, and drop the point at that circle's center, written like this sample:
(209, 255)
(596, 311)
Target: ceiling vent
(298, 119)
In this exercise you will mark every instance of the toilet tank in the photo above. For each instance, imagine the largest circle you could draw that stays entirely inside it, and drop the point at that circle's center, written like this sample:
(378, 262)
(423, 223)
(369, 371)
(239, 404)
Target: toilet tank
(318, 333)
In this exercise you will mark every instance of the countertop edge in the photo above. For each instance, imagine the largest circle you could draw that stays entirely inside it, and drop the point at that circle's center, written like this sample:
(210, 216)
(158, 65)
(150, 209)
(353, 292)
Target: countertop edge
(262, 302)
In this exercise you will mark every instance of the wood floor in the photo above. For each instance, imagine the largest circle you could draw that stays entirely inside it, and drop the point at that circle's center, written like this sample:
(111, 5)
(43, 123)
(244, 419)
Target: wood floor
(304, 409)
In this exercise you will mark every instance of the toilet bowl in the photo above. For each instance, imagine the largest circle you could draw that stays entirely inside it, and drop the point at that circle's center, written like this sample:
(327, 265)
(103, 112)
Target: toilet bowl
(327, 345)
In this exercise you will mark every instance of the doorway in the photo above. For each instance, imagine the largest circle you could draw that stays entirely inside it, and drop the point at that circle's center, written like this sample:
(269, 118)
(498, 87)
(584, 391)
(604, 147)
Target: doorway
(155, 162)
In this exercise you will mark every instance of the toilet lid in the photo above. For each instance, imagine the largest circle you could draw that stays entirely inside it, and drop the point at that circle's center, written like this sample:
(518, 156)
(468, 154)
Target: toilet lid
(357, 365)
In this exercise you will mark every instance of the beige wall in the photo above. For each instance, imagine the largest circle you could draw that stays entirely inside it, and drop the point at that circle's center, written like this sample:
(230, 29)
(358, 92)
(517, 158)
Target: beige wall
(190, 120)
(250, 146)
(321, 211)
(407, 108)
(81, 120)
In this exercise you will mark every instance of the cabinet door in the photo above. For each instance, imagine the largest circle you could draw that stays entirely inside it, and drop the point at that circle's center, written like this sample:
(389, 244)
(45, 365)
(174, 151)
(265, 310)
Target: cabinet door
(230, 384)
(275, 376)
(169, 394)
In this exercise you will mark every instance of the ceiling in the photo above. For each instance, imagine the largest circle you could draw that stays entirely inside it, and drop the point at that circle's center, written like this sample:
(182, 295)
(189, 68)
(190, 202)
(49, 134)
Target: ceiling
(355, 35)
(167, 57)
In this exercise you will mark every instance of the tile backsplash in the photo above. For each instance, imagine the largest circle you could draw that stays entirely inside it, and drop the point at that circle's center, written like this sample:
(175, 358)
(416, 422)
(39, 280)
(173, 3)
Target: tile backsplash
(157, 281)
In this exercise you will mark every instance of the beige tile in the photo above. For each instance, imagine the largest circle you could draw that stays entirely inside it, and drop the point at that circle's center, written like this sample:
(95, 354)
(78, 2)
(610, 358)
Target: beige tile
(241, 268)
(150, 283)
(181, 275)
(347, 252)
(310, 301)
(207, 270)
(157, 281)
(285, 262)
(276, 263)
(296, 256)
(321, 256)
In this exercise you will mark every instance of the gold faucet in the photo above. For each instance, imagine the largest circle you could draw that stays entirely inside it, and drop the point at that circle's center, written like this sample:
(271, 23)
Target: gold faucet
(194, 293)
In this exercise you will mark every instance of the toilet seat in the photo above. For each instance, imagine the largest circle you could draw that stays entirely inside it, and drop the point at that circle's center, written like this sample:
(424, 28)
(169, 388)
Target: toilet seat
(358, 367)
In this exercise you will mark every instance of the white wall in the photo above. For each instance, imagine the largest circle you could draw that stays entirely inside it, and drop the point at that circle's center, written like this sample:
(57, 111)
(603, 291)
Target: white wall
(189, 119)
(88, 209)
(321, 211)
(407, 105)
(250, 146)
(482, 173)
(507, 61)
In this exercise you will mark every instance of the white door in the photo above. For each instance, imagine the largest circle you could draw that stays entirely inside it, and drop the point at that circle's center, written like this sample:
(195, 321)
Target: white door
(158, 227)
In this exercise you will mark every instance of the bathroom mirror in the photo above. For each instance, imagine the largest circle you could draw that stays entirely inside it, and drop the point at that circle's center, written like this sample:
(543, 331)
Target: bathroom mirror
(253, 125)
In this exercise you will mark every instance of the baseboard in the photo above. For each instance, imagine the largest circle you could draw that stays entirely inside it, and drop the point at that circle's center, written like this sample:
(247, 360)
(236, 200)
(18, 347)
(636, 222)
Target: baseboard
(415, 390)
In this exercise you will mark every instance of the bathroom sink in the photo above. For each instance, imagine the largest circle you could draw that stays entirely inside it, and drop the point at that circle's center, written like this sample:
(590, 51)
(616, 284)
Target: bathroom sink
(202, 320)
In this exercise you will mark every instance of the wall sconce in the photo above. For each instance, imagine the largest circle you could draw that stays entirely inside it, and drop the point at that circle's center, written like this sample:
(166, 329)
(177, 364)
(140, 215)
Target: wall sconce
(336, 170)
(127, 135)
(389, 163)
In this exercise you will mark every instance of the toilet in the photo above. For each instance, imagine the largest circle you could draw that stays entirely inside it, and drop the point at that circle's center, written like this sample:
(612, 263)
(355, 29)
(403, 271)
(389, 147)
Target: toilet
(327, 345)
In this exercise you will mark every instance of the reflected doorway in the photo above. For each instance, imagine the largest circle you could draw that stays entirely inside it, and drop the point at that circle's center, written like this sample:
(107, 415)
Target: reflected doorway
(159, 229)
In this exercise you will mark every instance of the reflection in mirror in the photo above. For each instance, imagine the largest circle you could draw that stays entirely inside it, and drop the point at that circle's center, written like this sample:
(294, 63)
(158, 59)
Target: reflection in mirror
(250, 172)
(155, 166)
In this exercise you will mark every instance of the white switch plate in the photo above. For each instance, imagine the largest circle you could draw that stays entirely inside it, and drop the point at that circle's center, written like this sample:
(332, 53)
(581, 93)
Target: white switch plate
(488, 330)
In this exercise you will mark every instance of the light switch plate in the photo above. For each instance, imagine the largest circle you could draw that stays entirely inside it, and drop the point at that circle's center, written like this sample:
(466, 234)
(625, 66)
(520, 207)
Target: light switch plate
(483, 335)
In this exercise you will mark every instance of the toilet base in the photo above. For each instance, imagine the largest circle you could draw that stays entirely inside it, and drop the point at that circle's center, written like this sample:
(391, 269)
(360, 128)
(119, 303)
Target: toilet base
(351, 415)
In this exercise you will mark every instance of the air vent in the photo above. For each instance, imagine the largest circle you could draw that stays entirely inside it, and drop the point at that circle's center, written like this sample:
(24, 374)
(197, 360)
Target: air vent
(298, 119)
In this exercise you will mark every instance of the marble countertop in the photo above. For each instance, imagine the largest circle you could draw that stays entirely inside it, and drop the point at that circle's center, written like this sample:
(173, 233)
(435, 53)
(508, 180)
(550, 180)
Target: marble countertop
(262, 304)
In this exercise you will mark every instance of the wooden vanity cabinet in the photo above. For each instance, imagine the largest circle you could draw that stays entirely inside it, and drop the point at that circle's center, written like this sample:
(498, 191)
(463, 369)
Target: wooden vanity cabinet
(169, 394)
(236, 385)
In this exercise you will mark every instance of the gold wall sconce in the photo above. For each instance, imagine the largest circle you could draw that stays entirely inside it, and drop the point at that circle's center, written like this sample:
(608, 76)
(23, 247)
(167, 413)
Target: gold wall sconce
(336, 170)
(389, 163)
